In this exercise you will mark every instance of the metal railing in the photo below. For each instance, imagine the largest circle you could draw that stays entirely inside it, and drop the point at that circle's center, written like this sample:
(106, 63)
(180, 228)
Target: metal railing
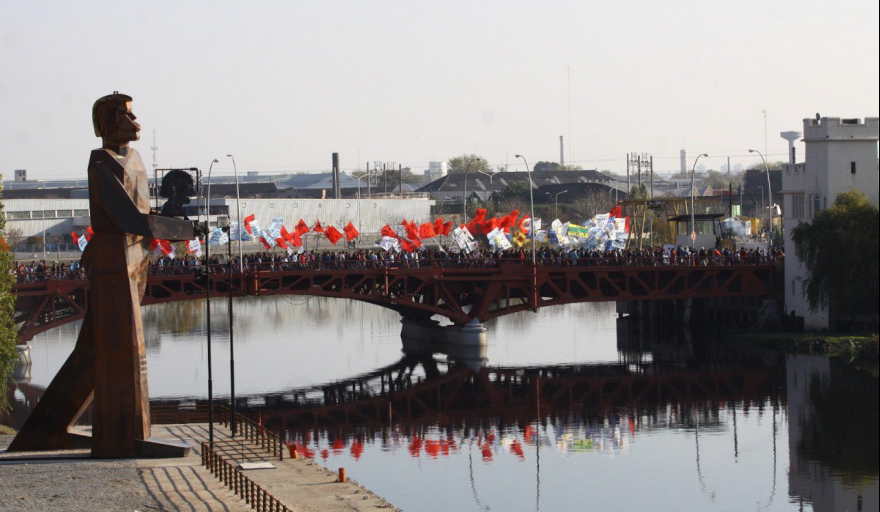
(257, 434)
(233, 478)
(561, 260)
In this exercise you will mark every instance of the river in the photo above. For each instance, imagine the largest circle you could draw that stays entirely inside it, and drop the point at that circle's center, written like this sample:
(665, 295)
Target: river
(569, 408)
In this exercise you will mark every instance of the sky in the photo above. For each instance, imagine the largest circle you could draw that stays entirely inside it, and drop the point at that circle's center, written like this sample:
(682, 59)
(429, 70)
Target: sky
(282, 85)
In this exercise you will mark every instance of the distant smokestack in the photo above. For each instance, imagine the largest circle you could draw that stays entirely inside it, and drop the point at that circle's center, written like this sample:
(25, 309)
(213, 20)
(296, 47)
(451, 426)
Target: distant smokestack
(561, 151)
(336, 187)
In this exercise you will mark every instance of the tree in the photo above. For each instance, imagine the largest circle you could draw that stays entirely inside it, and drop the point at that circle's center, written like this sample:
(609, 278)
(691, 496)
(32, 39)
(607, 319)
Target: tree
(592, 202)
(840, 252)
(546, 166)
(8, 335)
(459, 164)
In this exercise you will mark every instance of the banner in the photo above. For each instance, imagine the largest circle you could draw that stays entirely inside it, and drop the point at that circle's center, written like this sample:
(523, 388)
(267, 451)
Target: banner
(389, 243)
(501, 241)
(195, 247)
(463, 239)
(576, 231)
(82, 242)
(254, 229)
(218, 237)
(275, 227)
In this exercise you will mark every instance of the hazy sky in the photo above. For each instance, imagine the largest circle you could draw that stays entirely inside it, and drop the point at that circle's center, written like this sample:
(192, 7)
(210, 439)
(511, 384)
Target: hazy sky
(282, 85)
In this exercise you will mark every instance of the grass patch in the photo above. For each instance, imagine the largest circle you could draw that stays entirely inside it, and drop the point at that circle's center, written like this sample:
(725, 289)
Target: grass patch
(859, 349)
(7, 431)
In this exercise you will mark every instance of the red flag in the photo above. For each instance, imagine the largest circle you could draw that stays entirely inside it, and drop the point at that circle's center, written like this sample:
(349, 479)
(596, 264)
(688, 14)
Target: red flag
(416, 242)
(296, 239)
(406, 245)
(75, 237)
(521, 225)
(489, 225)
(387, 231)
(481, 215)
(280, 242)
(616, 212)
(626, 227)
(89, 233)
(332, 234)
(265, 243)
(509, 221)
(438, 226)
(412, 231)
(446, 228)
(350, 232)
(426, 230)
(318, 228)
(302, 227)
(285, 235)
(3, 244)
(247, 223)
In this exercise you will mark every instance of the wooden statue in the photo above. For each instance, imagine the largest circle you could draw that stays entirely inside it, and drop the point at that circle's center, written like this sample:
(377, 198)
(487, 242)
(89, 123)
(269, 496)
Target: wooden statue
(108, 366)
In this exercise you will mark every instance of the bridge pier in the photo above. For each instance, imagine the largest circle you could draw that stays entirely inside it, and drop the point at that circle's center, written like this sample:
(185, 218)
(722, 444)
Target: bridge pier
(465, 343)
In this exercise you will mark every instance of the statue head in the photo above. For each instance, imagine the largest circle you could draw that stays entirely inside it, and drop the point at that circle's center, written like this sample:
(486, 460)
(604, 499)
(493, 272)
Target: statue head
(178, 186)
(114, 121)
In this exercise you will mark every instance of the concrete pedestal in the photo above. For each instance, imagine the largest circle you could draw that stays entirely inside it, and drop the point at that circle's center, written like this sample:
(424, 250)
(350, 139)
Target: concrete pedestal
(466, 344)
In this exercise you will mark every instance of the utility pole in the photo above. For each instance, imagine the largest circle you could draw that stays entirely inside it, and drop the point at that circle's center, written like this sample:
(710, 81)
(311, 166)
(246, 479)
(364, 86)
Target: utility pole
(652, 179)
(628, 186)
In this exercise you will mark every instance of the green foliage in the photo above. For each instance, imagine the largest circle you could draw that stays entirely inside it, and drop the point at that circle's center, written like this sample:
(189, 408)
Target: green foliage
(8, 333)
(517, 191)
(459, 164)
(639, 192)
(840, 252)
(546, 166)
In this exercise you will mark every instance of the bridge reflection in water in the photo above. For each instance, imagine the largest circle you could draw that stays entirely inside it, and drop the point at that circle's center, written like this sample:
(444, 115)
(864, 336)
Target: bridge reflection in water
(671, 412)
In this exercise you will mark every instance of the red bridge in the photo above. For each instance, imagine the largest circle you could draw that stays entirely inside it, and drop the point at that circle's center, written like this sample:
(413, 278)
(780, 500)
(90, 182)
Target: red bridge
(461, 290)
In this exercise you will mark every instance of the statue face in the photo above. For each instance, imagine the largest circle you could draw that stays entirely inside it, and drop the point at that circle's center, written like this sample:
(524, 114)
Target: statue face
(124, 129)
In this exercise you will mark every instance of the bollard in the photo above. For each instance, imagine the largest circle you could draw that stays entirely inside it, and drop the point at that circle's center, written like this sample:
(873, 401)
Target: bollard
(293, 453)
(341, 478)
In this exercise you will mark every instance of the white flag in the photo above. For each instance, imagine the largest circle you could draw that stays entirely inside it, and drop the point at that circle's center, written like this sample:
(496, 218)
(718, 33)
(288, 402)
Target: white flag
(389, 243)
(82, 242)
(218, 237)
(195, 247)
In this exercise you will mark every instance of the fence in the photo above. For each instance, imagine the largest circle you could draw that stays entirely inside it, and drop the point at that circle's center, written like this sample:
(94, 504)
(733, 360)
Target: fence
(233, 478)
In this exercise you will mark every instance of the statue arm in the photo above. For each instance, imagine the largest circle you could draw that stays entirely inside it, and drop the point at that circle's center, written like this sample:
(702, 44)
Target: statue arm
(119, 206)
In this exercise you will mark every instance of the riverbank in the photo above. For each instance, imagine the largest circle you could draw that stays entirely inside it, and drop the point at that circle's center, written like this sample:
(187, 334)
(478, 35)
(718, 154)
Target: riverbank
(860, 349)
(72, 480)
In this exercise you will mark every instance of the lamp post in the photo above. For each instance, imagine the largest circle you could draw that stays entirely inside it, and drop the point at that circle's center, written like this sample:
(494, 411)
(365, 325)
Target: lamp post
(693, 192)
(207, 233)
(532, 212)
(769, 201)
(534, 240)
(556, 200)
(464, 197)
(43, 223)
(231, 320)
(238, 216)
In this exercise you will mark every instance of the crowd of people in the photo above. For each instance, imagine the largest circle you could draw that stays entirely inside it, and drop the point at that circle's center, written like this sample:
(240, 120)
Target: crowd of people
(362, 259)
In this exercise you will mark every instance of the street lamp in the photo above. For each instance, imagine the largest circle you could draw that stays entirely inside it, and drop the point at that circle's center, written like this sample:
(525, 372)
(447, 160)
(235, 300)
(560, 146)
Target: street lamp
(207, 233)
(238, 216)
(532, 204)
(693, 221)
(232, 421)
(464, 197)
(556, 199)
(770, 201)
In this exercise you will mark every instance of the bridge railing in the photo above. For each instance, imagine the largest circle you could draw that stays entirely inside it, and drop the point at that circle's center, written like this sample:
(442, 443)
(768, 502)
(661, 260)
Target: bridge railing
(318, 265)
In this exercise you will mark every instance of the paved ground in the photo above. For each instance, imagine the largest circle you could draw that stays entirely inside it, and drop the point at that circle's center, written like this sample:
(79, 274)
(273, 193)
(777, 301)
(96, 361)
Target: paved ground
(72, 481)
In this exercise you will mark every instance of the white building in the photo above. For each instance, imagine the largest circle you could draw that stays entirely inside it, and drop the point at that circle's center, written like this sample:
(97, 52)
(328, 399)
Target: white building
(841, 155)
(437, 170)
(58, 217)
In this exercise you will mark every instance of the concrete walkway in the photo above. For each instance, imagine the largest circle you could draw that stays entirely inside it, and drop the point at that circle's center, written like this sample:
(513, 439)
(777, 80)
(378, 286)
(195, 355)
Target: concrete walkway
(40, 481)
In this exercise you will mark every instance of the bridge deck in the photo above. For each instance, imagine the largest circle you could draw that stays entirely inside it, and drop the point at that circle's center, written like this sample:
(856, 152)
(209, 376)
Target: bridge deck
(449, 288)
